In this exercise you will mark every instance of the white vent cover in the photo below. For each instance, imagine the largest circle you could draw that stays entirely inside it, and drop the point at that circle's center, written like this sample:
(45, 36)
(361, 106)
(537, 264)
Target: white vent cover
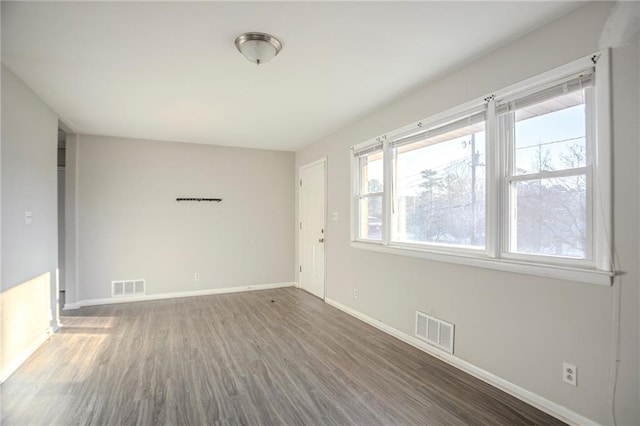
(435, 331)
(127, 288)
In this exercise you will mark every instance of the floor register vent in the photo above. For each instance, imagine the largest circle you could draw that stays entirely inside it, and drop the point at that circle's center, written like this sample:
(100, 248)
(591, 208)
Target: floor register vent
(127, 288)
(435, 331)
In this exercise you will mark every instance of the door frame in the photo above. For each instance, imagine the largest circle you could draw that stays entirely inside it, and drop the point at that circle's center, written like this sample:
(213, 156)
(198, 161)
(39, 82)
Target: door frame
(322, 160)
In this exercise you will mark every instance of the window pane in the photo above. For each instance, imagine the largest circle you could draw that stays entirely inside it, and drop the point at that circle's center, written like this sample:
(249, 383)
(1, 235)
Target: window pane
(371, 174)
(551, 217)
(551, 135)
(371, 218)
(441, 189)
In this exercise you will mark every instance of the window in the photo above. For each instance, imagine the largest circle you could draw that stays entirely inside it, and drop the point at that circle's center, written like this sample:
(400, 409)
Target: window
(369, 187)
(439, 177)
(548, 139)
(518, 180)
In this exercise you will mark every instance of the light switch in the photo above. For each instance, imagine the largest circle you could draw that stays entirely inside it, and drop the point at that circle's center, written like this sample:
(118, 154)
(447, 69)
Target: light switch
(334, 216)
(28, 217)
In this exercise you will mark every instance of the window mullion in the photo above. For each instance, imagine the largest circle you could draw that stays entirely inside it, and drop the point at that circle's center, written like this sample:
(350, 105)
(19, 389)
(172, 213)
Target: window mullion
(600, 145)
(591, 141)
(493, 182)
(387, 192)
(508, 214)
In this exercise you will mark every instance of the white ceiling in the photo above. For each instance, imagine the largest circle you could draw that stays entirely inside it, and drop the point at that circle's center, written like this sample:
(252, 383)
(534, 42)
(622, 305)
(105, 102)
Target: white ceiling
(170, 70)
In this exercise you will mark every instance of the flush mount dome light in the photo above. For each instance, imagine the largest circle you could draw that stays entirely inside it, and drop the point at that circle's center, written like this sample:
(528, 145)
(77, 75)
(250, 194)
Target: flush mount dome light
(258, 47)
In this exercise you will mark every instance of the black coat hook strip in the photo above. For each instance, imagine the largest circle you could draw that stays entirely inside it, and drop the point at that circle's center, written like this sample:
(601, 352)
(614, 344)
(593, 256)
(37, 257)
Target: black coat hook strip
(217, 200)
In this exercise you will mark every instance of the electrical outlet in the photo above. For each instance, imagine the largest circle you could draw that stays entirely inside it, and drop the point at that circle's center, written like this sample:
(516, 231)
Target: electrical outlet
(196, 276)
(570, 374)
(356, 293)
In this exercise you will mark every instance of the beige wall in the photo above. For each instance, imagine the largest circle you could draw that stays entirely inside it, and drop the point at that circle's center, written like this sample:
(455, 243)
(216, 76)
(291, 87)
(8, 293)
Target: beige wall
(130, 225)
(626, 177)
(29, 252)
(518, 327)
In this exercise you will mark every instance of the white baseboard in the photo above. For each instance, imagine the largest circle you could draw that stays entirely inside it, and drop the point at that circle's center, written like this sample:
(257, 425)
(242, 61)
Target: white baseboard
(70, 306)
(20, 359)
(543, 404)
(176, 295)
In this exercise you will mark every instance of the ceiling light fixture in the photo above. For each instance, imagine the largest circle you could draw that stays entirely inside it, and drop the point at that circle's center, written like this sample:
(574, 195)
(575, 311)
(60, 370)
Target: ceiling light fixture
(258, 47)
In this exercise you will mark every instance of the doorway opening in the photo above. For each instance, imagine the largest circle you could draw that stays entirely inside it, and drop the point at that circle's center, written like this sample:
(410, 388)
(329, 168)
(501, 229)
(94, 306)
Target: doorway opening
(62, 149)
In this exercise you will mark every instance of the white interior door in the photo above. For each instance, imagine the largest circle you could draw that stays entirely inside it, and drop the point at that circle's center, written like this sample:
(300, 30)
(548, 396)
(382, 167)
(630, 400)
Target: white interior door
(312, 227)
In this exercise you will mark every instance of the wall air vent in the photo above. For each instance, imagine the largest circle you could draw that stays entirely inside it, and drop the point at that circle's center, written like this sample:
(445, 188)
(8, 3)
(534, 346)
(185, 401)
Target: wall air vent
(127, 288)
(435, 331)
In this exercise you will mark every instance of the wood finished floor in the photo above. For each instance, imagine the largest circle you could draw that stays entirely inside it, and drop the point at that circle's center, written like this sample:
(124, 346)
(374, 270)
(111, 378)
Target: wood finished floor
(265, 357)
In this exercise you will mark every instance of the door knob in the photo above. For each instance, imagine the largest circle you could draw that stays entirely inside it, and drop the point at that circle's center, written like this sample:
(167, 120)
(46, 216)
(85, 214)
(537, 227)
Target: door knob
(321, 240)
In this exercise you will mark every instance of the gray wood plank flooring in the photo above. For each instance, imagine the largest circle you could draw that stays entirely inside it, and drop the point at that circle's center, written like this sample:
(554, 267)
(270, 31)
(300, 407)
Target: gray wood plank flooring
(273, 357)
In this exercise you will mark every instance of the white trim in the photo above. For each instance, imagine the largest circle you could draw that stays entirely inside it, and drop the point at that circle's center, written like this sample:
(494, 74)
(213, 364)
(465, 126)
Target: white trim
(176, 295)
(520, 267)
(493, 183)
(551, 260)
(387, 184)
(556, 410)
(314, 163)
(324, 224)
(71, 306)
(20, 359)
(354, 211)
(602, 161)
(453, 249)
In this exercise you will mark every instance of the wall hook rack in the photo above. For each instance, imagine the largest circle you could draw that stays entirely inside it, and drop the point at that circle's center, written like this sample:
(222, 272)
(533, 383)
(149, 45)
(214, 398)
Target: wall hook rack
(217, 200)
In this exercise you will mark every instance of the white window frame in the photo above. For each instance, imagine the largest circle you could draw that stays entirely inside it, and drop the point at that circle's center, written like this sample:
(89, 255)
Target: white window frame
(357, 196)
(495, 255)
(433, 122)
(506, 144)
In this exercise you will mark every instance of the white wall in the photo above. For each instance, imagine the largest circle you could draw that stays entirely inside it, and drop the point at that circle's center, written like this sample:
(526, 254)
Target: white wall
(130, 225)
(518, 327)
(29, 252)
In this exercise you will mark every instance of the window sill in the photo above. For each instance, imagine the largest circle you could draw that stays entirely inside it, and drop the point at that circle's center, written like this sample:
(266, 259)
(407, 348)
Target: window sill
(590, 276)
